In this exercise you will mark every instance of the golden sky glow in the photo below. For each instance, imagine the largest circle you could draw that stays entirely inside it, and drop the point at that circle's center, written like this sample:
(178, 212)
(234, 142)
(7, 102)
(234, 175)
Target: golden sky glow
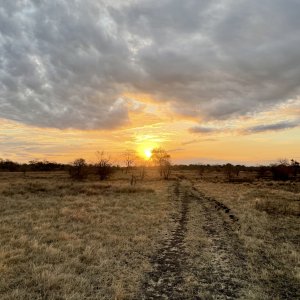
(143, 133)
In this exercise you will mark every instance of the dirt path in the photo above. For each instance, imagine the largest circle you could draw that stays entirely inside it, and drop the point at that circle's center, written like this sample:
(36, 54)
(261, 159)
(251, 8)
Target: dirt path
(166, 279)
(220, 273)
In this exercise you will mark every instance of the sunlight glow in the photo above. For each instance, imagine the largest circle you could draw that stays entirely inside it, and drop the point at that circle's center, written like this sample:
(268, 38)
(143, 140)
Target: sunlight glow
(147, 153)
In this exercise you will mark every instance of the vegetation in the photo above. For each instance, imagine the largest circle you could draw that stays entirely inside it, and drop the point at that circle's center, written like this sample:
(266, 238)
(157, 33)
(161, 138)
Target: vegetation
(162, 159)
(104, 167)
(66, 239)
(284, 169)
(78, 170)
(61, 239)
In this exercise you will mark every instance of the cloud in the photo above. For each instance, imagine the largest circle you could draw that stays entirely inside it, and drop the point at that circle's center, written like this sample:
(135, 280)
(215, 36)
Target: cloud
(197, 141)
(273, 127)
(203, 129)
(66, 64)
(216, 59)
(62, 65)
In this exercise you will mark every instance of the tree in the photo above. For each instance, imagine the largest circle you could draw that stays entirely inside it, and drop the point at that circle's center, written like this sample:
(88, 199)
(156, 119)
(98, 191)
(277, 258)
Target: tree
(162, 159)
(104, 166)
(129, 158)
(295, 167)
(78, 170)
(228, 171)
(282, 170)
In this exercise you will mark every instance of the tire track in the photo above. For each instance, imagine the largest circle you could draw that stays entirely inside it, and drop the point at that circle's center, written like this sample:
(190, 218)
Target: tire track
(165, 281)
(222, 270)
(224, 274)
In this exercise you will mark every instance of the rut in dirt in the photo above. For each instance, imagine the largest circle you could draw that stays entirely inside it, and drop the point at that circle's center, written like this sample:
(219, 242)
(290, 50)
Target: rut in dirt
(165, 281)
(224, 274)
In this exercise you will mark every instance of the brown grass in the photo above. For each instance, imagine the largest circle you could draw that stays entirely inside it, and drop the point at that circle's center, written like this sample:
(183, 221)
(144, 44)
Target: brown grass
(88, 240)
(61, 239)
(269, 228)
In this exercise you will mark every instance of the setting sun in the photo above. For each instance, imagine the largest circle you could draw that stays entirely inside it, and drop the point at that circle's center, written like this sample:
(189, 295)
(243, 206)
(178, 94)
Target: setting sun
(147, 153)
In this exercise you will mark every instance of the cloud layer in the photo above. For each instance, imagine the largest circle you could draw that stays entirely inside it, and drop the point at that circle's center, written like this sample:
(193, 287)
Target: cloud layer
(273, 127)
(67, 64)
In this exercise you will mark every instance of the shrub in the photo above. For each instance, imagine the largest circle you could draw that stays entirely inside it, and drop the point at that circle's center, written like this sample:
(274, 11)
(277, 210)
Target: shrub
(281, 172)
(78, 170)
(104, 166)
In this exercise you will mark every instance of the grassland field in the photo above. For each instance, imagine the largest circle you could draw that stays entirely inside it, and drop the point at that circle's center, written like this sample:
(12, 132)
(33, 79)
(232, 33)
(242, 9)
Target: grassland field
(190, 237)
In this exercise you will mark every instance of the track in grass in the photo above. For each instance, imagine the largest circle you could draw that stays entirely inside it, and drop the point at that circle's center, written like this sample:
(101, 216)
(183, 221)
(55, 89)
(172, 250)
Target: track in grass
(222, 276)
(166, 279)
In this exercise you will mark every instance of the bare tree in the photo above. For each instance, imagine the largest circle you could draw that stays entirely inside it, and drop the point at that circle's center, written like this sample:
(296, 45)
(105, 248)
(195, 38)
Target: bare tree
(163, 160)
(78, 170)
(129, 158)
(104, 166)
(283, 161)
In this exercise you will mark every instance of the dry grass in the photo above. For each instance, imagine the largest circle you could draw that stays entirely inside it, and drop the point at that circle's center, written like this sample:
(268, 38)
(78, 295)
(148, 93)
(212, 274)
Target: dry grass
(269, 228)
(68, 240)
(61, 239)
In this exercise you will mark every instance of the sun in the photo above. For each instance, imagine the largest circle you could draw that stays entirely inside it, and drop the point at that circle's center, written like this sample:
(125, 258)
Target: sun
(148, 153)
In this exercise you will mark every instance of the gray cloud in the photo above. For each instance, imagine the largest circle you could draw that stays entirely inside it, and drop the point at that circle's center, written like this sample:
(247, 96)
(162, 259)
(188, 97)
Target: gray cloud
(203, 129)
(273, 127)
(66, 64)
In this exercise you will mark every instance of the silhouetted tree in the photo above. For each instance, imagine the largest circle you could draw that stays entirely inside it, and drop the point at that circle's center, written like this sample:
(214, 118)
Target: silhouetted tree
(295, 167)
(163, 160)
(229, 171)
(8, 165)
(78, 170)
(104, 166)
(129, 158)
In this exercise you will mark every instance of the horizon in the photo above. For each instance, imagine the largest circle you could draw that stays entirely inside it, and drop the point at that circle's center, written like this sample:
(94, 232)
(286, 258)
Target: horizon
(208, 82)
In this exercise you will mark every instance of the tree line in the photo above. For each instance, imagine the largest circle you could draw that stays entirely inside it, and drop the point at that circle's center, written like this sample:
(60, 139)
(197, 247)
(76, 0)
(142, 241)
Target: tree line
(131, 163)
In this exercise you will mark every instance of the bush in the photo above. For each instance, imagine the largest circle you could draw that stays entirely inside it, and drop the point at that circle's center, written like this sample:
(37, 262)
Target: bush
(281, 172)
(78, 170)
(104, 166)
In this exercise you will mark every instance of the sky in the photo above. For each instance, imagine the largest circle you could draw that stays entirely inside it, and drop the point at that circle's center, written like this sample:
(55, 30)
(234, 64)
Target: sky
(209, 81)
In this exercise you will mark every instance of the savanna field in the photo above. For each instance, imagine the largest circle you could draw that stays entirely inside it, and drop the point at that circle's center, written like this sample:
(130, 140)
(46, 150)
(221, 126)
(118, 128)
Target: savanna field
(149, 150)
(189, 237)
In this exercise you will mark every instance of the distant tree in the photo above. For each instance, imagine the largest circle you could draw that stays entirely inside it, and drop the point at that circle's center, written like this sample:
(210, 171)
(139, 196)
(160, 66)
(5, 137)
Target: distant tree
(228, 171)
(283, 162)
(262, 171)
(162, 159)
(78, 169)
(282, 170)
(129, 159)
(104, 167)
(295, 165)
(8, 165)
